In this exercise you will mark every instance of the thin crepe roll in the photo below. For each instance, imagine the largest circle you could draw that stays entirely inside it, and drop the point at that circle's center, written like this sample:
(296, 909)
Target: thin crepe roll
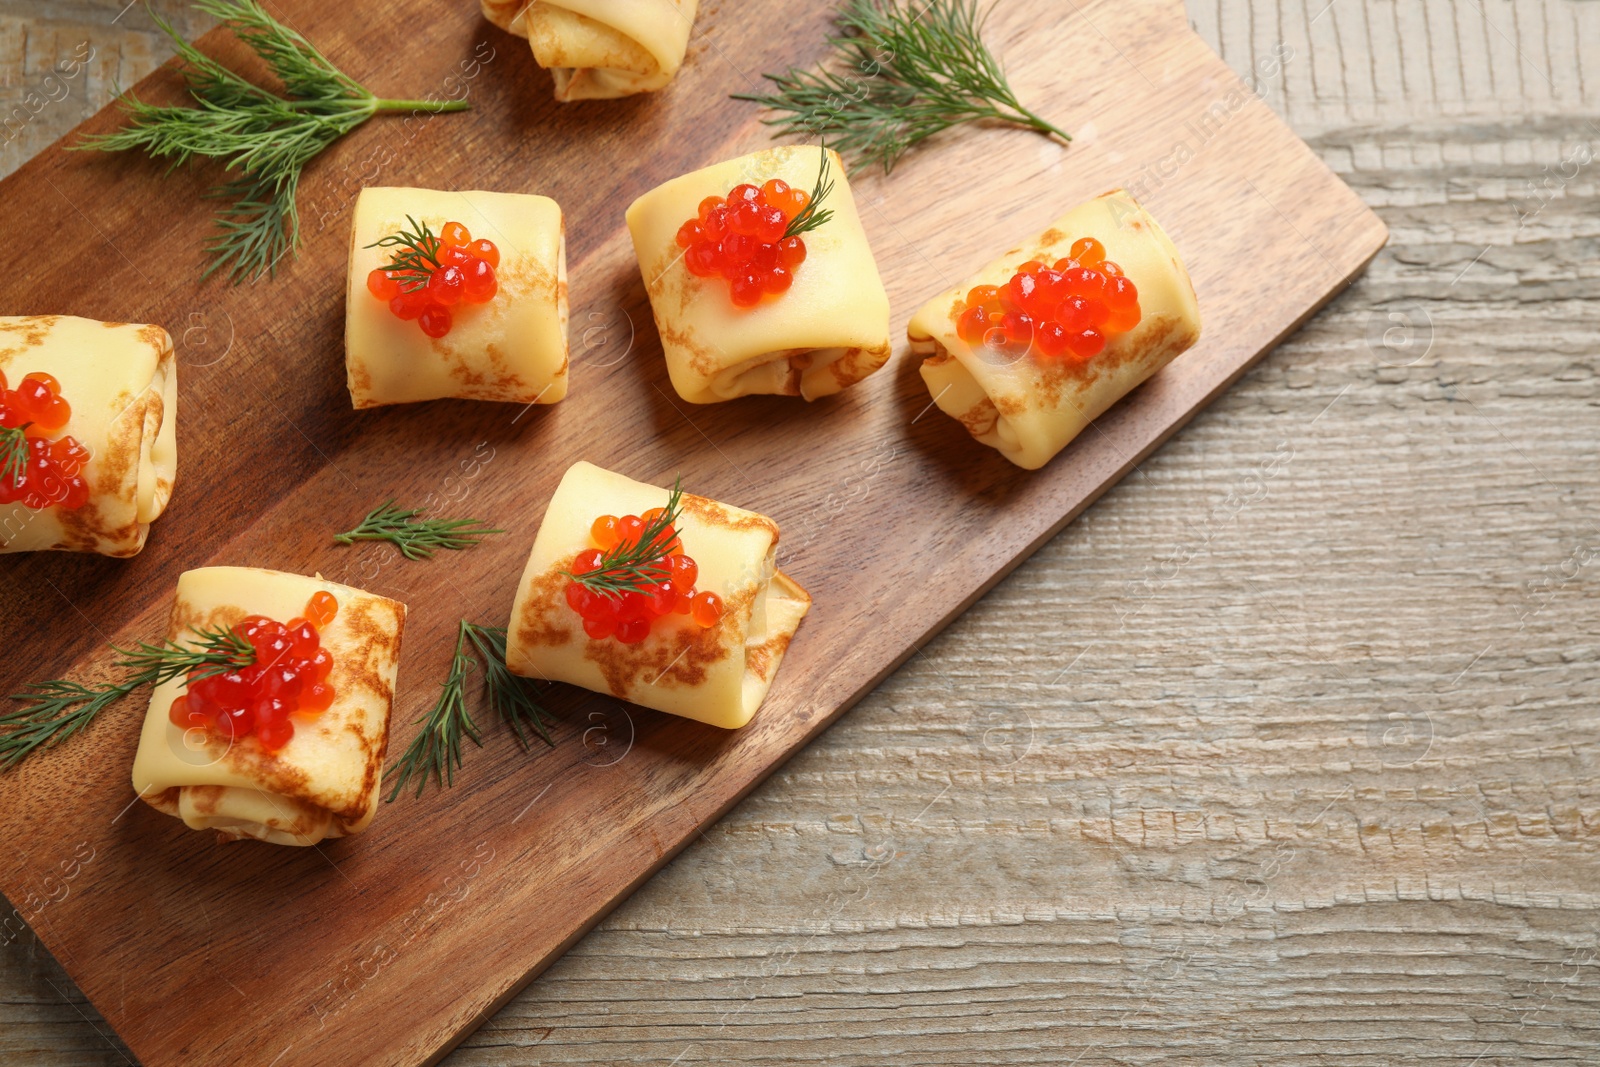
(121, 384)
(1030, 406)
(512, 348)
(324, 780)
(601, 49)
(718, 674)
(829, 330)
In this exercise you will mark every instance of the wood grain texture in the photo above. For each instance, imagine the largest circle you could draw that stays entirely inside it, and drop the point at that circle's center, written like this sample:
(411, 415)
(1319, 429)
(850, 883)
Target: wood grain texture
(1289, 760)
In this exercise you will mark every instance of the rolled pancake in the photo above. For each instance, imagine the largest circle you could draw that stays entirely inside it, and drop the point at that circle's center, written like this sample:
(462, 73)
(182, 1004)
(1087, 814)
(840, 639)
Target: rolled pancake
(122, 383)
(325, 781)
(1031, 408)
(828, 331)
(718, 675)
(601, 49)
(513, 348)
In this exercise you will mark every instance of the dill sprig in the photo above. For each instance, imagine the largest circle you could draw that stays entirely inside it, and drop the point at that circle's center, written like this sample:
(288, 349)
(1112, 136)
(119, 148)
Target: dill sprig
(263, 139)
(218, 651)
(630, 566)
(14, 453)
(58, 709)
(435, 753)
(416, 537)
(417, 259)
(810, 218)
(904, 70)
(510, 695)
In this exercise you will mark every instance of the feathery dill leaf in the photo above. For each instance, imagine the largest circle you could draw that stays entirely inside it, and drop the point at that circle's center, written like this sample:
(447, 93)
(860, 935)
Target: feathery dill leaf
(902, 71)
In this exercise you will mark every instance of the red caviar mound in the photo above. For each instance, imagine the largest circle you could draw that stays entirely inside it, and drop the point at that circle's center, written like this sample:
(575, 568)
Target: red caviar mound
(49, 474)
(1064, 311)
(460, 272)
(628, 616)
(288, 678)
(741, 238)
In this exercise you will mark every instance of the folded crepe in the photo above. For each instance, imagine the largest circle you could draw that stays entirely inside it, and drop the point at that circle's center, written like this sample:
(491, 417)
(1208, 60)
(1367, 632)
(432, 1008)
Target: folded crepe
(601, 49)
(829, 330)
(324, 782)
(513, 348)
(717, 675)
(1030, 408)
(121, 383)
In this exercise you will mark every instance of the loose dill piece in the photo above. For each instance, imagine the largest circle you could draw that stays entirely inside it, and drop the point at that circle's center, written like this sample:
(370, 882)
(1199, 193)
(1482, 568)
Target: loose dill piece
(14, 453)
(416, 538)
(418, 256)
(56, 710)
(435, 753)
(809, 218)
(512, 696)
(902, 71)
(630, 566)
(264, 140)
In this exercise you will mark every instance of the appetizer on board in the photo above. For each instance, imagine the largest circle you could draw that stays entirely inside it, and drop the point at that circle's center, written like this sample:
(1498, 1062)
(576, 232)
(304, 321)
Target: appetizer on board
(288, 749)
(601, 49)
(761, 279)
(456, 294)
(1036, 345)
(88, 439)
(668, 600)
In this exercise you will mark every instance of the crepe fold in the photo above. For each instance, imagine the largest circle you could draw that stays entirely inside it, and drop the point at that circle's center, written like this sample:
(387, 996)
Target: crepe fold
(828, 331)
(601, 49)
(122, 383)
(718, 675)
(1031, 408)
(513, 348)
(325, 781)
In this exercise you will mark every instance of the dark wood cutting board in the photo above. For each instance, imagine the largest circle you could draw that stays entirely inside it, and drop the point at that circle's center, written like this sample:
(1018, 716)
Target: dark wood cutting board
(390, 947)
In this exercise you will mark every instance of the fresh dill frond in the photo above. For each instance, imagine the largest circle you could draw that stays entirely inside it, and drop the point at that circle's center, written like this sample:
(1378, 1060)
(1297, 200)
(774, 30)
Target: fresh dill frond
(265, 140)
(435, 753)
(810, 218)
(901, 71)
(630, 565)
(54, 711)
(416, 537)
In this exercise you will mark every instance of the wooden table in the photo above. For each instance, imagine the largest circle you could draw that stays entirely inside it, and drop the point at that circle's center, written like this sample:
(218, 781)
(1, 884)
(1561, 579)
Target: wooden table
(1285, 752)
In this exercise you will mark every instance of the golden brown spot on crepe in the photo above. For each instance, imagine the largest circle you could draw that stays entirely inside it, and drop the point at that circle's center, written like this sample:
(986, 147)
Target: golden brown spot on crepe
(1009, 406)
(154, 336)
(980, 418)
(500, 382)
(541, 621)
(21, 334)
(857, 363)
(86, 529)
(205, 798)
(702, 358)
(361, 381)
(761, 658)
(374, 627)
(713, 513)
(1050, 237)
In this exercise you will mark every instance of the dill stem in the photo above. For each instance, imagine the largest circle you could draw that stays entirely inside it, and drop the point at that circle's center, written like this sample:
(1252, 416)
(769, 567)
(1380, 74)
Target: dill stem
(1040, 124)
(433, 106)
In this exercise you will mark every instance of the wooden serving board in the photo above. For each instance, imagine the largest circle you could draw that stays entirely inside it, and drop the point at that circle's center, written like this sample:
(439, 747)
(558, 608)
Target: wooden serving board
(392, 946)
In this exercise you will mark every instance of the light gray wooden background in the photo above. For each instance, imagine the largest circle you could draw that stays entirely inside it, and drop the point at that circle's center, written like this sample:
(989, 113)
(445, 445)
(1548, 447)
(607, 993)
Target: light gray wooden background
(1284, 753)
